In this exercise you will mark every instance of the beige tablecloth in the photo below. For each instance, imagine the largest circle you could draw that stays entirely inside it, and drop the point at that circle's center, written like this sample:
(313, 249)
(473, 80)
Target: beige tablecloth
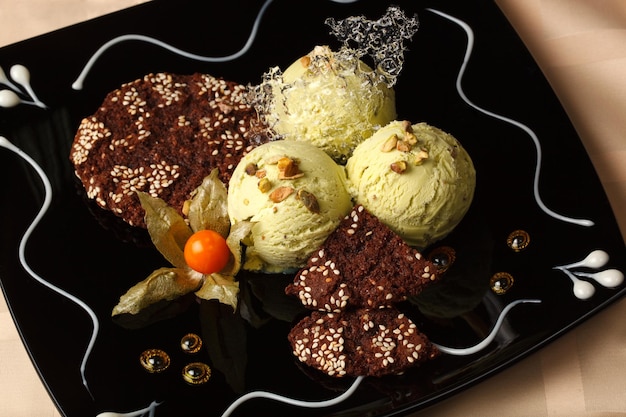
(581, 47)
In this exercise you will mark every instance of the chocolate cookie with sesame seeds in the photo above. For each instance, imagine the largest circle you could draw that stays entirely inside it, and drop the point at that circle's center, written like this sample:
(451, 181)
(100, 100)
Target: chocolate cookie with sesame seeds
(360, 342)
(362, 263)
(162, 134)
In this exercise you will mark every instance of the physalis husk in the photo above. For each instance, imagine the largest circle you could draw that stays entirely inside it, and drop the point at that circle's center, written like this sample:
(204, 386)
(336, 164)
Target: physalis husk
(169, 231)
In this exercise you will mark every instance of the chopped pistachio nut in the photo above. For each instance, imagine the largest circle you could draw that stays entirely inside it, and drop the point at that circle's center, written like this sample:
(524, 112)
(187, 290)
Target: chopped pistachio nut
(390, 143)
(403, 146)
(288, 169)
(309, 201)
(398, 167)
(410, 138)
(280, 194)
(284, 163)
(420, 157)
(283, 176)
(264, 185)
(251, 169)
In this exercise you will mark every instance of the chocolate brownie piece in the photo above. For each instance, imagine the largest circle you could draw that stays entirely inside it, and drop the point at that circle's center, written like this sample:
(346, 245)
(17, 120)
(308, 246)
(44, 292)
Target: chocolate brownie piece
(362, 263)
(163, 134)
(360, 342)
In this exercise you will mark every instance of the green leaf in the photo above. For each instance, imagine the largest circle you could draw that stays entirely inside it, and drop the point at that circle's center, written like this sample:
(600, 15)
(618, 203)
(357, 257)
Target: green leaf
(221, 288)
(162, 284)
(209, 206)
(168, 230)
(159, 311)
(237, 233)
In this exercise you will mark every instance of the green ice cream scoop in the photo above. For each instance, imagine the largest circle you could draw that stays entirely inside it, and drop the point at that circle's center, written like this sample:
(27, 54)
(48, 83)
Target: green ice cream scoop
(295, 195)
(331, 100)
(416, 179)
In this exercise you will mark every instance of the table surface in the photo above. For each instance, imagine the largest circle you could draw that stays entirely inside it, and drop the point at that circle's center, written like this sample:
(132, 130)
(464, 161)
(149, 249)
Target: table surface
(581, 47)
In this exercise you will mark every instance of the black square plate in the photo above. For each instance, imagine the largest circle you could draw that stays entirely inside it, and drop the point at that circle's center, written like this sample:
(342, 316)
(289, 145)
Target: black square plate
(533, 175)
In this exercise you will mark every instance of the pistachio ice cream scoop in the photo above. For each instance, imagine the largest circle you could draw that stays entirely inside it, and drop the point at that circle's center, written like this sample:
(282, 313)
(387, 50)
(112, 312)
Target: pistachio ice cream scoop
(332, 100)
(417, 179)
(295, 195)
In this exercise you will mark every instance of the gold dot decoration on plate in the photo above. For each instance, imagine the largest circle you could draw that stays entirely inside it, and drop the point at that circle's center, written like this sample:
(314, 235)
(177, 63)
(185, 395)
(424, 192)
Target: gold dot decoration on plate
(518, 240)
(196, 373)
(443, 257)
(191, 343)
(154, 360)
(501, 282)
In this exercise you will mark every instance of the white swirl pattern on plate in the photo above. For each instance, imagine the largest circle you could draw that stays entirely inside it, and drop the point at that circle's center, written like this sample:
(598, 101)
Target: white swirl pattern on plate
(12, 96)
(583, 290)
(78, 84)
(526, 129)
(22, 253)
(609, 278)
(492, 334)
(448, 350)
(150, 410)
